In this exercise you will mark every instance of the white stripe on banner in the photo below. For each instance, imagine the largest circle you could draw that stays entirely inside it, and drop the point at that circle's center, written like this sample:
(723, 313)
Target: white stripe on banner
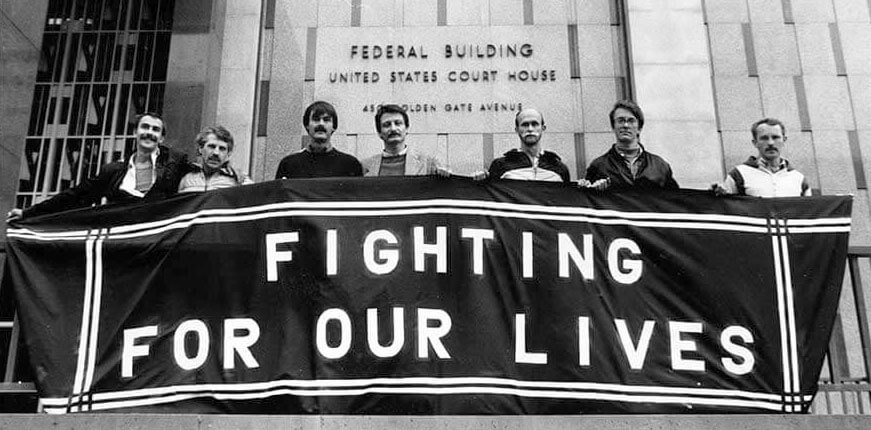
(429, 386)
(781, 315)
(446, 206)
(790, 313)
(95, 312)
(82, 353)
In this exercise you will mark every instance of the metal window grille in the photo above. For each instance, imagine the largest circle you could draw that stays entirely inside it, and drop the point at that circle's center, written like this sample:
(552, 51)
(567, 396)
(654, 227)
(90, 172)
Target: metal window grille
(103, 62)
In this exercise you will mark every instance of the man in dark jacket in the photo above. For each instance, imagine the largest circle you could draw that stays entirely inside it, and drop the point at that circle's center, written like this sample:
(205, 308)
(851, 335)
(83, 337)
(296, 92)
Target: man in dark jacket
(151, 173)
(628, 164)
(530, 162)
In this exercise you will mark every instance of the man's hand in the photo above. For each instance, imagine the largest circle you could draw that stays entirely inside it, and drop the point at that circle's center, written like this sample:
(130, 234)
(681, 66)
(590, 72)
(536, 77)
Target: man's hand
(443, 172)
(599, 185)
(479, 175)
(718, 189)
(14, 214)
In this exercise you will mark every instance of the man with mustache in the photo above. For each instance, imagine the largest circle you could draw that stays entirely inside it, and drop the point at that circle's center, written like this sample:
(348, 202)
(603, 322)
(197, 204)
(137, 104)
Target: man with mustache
(391, 122)
(151, 173)
(628, 164)
(769, 174)
(319, 159)
(530, 162)
(212, 169)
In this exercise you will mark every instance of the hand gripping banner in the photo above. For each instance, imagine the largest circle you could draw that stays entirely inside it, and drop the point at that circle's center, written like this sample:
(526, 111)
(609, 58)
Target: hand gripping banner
(431, 296)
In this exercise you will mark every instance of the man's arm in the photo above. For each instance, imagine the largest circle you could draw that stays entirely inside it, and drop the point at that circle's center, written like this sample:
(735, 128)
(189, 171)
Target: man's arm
(670, 183)
(496, 170)
(87, 193)
(805, 188)
(283, 169)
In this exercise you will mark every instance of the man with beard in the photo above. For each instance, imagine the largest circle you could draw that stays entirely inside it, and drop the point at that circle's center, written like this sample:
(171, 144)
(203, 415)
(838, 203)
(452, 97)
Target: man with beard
(319, 159)
(530, 162)
(769, 174)
(628, 164)
(151, 173)
(212, 169)
(391, 122)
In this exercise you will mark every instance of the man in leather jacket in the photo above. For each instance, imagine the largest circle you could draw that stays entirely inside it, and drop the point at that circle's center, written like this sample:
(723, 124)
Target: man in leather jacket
(152, 172)
(628, 164)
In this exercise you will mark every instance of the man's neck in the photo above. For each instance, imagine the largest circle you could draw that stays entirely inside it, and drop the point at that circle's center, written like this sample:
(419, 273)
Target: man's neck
(773, 164)
(142, 156)
(394, 149)
(320, 147)
(628, 148)
(531, 151)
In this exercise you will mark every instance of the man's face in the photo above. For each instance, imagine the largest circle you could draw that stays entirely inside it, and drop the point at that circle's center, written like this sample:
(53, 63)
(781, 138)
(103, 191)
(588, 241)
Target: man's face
(625, 126)
(393, 129)
(320, 128)
(769, 141)
(215, 152)
(149, 133)
(529, 127)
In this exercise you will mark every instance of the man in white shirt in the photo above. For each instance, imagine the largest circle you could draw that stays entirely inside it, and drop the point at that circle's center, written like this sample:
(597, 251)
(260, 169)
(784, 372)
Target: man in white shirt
(768, 174)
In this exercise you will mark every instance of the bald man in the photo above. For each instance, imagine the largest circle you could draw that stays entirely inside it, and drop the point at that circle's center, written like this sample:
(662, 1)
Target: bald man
(529, 162)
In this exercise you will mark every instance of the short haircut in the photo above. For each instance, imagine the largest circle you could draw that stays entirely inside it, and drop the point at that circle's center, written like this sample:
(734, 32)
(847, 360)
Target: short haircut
(517, 117)
(320, 108)
(767, 121)
(631, 107)
(153, 115)
(389, 109)
(220, 133)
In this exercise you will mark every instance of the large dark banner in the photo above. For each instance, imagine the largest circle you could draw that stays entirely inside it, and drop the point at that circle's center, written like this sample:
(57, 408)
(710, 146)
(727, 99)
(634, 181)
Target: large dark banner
(431, 296)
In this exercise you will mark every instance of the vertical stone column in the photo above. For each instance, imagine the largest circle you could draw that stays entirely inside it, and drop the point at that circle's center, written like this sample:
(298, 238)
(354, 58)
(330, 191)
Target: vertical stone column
(672, 80)
(234, 63)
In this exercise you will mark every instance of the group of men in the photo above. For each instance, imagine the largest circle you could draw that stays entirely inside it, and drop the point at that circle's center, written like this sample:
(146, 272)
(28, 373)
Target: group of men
(155, 171)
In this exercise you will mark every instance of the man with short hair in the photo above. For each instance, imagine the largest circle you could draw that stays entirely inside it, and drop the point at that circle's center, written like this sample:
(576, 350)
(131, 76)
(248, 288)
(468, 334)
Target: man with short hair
(628, 164)
(212, 170)
(319, 159)
(152, 172)
(769, 174)
(529, 162)
(391, 122)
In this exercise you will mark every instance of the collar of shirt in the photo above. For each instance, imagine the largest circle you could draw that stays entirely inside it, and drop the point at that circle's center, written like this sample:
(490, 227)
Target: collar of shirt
(128, 184)
(533, 158)
(764, 165)
(225, 170)
(306, 149)
(628, 158)
(386, 154)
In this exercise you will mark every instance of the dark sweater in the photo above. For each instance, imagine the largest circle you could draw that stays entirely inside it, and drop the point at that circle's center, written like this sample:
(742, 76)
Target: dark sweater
(307, 164)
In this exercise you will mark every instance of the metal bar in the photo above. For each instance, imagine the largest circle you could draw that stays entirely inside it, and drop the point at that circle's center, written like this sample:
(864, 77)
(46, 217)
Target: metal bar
(838, 366)
(861, 312)
(12, 355)
(17, 388)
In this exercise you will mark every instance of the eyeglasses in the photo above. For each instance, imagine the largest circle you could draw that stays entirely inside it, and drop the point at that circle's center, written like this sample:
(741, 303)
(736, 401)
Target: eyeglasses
(627, 121)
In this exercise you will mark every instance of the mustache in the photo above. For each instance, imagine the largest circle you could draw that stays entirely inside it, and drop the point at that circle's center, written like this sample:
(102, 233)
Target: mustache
(150, 137)
(319, 128)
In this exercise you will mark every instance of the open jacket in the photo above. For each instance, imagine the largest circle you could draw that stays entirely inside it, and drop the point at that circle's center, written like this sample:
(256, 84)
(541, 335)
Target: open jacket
(170, 166)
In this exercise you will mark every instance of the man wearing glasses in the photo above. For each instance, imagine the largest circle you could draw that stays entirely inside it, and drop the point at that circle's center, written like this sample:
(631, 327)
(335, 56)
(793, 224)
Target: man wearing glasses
(628, 164)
